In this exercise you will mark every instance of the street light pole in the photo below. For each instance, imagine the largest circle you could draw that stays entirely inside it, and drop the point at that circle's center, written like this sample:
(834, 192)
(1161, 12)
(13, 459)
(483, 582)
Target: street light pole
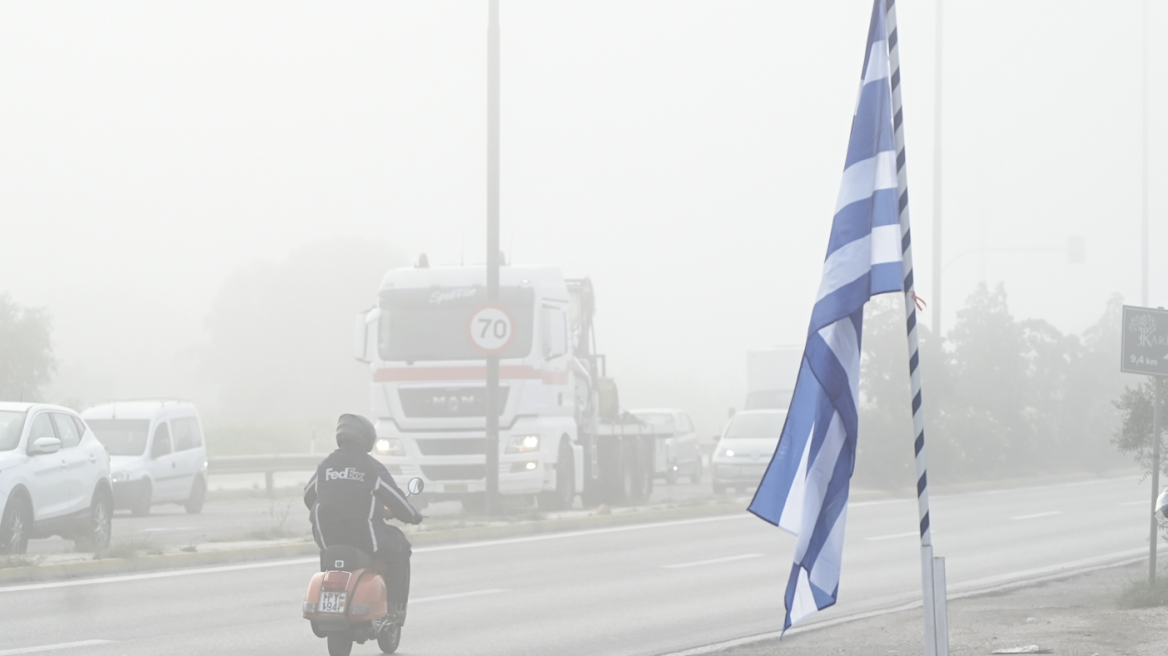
(937, 266)
(492, 391)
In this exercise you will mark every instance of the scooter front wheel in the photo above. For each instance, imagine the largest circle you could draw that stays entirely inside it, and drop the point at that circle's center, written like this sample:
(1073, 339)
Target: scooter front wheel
(340, 644)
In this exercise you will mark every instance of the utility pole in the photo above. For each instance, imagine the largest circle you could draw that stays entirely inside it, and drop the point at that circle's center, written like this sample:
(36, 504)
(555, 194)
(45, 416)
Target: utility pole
(937, 265)
(490, 505)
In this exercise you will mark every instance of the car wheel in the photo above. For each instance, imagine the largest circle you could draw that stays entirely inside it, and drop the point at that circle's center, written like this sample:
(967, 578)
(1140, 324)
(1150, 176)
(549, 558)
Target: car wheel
(695, 477)
(140, 505)
(562, 497)
(100, 528)
(194, 504)
(15, 527)
(389, 639)
(340, 644)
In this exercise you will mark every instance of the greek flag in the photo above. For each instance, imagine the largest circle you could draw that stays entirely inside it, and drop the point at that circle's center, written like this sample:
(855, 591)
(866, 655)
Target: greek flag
(805, 488)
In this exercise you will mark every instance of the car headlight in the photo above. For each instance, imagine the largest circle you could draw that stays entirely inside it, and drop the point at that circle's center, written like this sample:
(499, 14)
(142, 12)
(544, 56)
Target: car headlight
(120, 477)
(523, 444)
(729, 453)
(391, 447)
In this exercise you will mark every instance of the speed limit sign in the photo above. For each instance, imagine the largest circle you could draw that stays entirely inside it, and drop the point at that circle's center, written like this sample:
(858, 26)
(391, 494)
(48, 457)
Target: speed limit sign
(490, 328)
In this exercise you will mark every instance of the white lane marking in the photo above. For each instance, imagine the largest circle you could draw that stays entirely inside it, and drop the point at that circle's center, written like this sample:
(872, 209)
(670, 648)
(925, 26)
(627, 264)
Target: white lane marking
(458, 595)
(910, 534)
(62, 645)
(157, 575)
(1136, 503)
(1051, 513)
(712, 561)
(176, 528)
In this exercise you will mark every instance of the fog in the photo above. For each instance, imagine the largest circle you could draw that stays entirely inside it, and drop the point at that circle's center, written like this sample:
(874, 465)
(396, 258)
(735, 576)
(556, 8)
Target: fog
(685, 155)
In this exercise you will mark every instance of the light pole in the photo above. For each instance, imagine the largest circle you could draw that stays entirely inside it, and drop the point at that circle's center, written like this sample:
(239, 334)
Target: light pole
(492, 391)
(937, 266)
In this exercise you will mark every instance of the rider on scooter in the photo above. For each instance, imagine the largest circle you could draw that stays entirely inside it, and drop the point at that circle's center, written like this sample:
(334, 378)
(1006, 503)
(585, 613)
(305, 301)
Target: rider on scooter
(346, 498)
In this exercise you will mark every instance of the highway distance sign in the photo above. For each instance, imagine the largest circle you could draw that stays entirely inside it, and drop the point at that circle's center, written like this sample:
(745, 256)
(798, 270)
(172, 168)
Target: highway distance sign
(491, 329)
(1144, 347)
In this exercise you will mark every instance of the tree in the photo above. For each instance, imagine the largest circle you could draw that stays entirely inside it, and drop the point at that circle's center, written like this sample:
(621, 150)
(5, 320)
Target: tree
(1134, 435)
(26, 351)
(281, 335)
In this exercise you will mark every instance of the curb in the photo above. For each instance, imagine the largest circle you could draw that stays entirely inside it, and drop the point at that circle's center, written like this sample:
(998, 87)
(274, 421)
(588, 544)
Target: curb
(112, 566)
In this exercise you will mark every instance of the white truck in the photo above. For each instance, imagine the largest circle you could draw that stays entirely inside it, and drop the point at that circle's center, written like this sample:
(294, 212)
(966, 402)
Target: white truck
(770, 377)
(561, 431)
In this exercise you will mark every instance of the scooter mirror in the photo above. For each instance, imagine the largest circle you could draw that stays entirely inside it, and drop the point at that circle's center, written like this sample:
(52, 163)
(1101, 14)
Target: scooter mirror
(415, 486)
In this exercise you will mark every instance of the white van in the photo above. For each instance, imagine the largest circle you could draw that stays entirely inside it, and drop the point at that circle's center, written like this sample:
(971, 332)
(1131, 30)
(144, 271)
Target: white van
(157, 453)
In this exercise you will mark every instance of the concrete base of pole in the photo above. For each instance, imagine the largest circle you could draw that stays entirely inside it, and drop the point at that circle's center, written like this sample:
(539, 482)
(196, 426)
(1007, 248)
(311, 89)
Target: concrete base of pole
(940, 607)
(928, 587)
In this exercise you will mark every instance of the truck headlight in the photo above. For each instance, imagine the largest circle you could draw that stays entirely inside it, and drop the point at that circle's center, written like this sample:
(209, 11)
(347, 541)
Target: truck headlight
(391, 447)
(523, 444)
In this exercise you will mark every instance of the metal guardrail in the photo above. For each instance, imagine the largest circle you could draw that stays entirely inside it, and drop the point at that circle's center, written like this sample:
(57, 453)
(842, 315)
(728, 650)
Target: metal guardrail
(267, 464)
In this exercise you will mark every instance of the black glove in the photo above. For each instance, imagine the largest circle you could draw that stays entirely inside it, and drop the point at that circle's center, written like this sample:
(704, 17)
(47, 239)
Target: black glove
(416, 518)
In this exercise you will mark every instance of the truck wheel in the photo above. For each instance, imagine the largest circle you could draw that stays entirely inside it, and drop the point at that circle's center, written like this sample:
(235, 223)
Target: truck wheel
(340, 644)
(15, 527)
(562, 497)
(695, 476)
(140, 505)
(474, 504)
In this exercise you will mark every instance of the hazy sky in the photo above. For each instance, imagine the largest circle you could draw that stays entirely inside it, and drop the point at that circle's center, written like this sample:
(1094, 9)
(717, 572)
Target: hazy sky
(686, 155)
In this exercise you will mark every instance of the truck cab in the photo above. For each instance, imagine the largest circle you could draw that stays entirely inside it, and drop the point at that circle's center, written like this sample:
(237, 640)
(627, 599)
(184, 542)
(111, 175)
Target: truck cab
(427, 341)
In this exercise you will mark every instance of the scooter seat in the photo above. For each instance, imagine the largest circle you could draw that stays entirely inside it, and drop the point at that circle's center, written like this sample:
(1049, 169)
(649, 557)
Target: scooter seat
(344, 558)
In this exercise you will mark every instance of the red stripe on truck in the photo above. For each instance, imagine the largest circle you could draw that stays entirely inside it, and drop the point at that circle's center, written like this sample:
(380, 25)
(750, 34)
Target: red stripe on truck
(506, 372)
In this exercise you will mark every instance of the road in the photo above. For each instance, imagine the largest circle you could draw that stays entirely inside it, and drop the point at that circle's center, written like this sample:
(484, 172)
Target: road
(241, 515)
(649, 589)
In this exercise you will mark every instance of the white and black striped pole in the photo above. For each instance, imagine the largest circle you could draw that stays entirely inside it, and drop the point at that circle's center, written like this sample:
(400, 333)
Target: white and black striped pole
(932, 569)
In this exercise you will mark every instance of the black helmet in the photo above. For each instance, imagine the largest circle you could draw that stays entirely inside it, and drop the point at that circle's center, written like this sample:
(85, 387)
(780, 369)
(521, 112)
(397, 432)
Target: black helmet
(356, 431)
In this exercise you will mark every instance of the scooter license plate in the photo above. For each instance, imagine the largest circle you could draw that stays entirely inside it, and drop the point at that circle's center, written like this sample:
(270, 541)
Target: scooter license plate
(332, 602)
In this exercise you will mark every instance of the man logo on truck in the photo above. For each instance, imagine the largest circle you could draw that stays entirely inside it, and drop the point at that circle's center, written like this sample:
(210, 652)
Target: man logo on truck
(347, 474)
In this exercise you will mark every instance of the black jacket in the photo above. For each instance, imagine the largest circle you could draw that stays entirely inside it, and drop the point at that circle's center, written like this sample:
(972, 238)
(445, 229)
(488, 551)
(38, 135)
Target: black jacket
(345, 499)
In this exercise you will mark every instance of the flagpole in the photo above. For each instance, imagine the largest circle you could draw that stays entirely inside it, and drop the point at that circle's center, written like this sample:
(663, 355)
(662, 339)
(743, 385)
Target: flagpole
(932, 570)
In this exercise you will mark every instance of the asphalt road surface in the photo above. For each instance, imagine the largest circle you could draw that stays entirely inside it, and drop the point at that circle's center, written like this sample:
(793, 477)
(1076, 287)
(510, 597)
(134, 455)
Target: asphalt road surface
(649, 589)
(232, 519)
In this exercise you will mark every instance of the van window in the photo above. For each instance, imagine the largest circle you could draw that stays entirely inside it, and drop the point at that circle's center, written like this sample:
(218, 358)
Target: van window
(67, 430)
(121, 437)
(161, 441)
(186, 433)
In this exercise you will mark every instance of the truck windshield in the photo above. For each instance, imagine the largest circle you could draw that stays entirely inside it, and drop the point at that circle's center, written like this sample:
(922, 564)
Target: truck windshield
(434, 323)
(746, 426)
(11, 425)
(121, 437)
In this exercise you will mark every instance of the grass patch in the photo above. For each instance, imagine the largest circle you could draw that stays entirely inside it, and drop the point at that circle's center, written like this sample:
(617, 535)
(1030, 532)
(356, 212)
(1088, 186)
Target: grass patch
(129, 549)
(1138, 594)
(275, 530)
(18, 561)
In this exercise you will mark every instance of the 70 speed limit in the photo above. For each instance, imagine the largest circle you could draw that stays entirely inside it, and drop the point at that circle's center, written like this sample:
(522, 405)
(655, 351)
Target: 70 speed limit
(490, 328)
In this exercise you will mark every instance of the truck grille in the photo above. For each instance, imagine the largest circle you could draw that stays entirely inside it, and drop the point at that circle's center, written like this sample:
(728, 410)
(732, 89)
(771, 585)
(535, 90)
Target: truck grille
(436, 402)
(454, 472)
(453, 446)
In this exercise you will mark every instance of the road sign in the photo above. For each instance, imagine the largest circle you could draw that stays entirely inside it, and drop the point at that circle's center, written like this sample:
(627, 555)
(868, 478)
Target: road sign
(1145, 341)
(491, 329)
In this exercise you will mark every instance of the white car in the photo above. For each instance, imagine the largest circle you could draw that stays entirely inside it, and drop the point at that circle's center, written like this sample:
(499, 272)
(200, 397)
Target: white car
(746, 447)
(682, 457)
(54, 478)
(157, 453)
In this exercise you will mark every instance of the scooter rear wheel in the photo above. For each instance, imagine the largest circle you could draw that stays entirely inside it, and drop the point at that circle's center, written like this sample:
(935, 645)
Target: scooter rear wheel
(389, 639)
(340, 644)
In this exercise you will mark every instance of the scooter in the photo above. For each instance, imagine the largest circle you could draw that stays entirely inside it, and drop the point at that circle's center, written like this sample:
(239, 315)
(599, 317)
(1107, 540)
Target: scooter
(347, 601)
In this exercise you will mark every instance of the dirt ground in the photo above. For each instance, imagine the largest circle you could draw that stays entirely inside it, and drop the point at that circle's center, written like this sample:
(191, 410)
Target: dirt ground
(1072, 617)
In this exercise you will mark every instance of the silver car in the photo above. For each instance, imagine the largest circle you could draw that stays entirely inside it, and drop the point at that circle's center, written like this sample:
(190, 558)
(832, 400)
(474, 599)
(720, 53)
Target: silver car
(745, 449)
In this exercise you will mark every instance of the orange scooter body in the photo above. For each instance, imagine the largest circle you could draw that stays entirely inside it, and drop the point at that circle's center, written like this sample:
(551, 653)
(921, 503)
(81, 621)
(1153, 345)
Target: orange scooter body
(336, 600)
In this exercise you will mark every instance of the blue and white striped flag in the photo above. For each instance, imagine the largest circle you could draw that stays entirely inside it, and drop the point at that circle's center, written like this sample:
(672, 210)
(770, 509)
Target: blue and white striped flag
(805, 488)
